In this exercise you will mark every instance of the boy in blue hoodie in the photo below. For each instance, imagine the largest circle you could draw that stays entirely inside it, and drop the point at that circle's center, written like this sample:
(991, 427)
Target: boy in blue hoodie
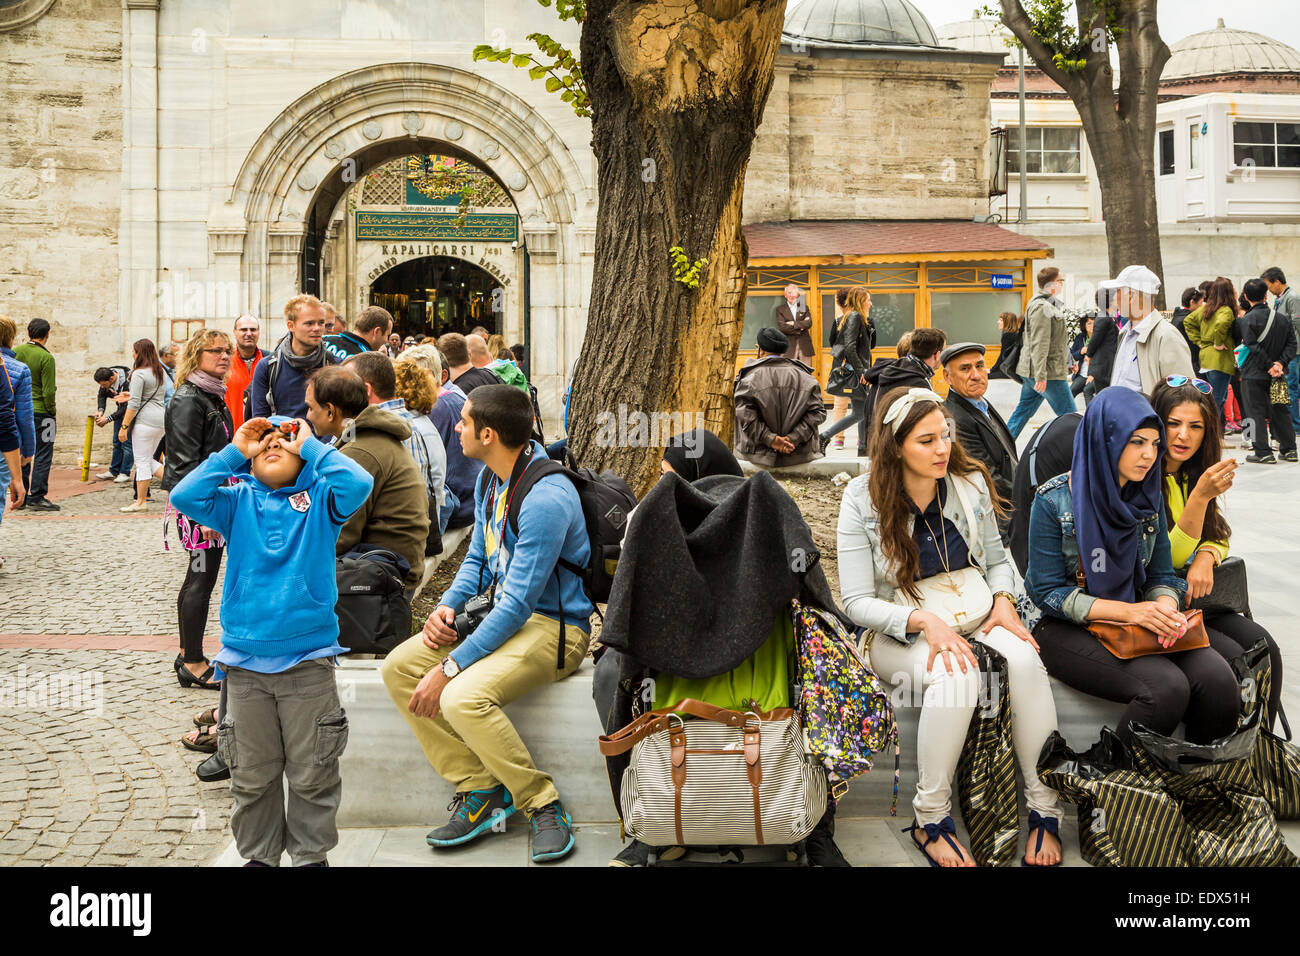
(282, 515)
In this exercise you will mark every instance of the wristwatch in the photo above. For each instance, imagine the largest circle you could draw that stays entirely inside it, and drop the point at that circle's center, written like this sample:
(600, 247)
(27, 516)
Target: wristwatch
(449, 667)
(1006, 594)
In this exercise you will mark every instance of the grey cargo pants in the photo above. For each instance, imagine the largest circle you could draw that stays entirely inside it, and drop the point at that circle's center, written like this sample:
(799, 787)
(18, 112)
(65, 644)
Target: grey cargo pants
(276, 726)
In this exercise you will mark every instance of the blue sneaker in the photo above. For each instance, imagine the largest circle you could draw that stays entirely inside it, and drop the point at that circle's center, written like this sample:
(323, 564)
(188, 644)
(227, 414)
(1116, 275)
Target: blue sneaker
(474, 813)
(552, 835)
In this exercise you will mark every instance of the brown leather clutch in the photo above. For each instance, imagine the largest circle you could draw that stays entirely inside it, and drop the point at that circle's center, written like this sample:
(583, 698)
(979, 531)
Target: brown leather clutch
(1127, 641)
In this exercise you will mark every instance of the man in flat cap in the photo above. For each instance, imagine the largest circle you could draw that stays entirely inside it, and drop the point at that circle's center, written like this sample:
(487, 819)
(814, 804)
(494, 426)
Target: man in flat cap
(778, 406)
(980, 428)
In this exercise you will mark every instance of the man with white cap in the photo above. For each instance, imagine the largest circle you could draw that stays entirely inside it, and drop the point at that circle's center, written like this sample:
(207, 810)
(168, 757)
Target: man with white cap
(1150, 349)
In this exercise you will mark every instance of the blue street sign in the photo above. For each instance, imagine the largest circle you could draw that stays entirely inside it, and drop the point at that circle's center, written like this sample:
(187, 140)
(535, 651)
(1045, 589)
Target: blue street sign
(1002, 282)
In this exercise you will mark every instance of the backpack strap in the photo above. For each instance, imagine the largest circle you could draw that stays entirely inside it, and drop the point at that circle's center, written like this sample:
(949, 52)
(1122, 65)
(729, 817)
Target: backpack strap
(524, 479)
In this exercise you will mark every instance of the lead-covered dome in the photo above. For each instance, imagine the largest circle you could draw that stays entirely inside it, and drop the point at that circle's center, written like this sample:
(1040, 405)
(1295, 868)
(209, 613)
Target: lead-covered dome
(979, 33)
(1224, 50)
(862, 22)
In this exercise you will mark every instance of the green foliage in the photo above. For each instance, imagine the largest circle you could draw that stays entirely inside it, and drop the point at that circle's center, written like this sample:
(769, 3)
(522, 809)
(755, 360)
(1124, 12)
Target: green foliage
(684, 271)
(1051, 22)
(557, 63)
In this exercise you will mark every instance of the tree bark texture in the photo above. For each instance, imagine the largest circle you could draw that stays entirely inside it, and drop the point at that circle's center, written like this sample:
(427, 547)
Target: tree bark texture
(1119, 122)
(677, 92)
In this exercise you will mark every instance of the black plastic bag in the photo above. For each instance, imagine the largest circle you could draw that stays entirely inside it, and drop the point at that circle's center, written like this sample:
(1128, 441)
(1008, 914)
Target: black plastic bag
(986, 772)
(1217, 790)
(1275, 761)
(1126, 818)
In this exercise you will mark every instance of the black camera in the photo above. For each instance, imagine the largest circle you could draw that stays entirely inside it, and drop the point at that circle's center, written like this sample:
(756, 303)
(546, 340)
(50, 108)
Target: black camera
(476, 608)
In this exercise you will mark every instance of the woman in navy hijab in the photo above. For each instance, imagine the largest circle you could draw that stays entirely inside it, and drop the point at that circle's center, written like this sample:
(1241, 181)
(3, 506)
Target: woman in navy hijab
(1099, 551)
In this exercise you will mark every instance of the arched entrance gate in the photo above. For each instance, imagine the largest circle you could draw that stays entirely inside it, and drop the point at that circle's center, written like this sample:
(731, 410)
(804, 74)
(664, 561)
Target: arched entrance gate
(325, 141)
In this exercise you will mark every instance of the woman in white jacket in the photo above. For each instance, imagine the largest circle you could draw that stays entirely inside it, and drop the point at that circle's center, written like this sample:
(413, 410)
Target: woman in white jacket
(923, 569)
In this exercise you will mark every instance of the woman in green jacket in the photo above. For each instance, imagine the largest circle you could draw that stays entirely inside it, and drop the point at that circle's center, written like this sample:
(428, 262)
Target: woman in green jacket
(1216, 337)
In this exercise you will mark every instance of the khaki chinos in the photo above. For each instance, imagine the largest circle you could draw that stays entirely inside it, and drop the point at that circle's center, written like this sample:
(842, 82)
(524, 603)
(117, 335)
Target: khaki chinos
(471, 743)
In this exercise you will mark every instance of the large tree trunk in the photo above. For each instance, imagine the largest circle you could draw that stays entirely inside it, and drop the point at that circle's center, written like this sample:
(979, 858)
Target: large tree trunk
(677, 93)
(1120, 123)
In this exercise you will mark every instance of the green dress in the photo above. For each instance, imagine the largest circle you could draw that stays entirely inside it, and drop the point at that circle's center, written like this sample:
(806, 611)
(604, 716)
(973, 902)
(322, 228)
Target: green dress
(762, 679)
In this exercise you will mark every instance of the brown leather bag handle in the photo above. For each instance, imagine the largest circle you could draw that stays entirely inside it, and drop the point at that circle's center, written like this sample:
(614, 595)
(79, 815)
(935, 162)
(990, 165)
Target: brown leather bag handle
(656, 721)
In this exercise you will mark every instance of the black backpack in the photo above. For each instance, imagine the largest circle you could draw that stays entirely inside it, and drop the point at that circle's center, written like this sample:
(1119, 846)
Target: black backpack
(374, 614)
(606, 502)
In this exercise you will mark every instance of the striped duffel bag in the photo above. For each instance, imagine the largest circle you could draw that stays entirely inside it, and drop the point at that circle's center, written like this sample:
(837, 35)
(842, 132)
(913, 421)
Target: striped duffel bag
(725, 778)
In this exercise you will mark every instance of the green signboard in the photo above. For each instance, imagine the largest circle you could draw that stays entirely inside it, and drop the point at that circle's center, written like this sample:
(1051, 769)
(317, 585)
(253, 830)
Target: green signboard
(488, 227)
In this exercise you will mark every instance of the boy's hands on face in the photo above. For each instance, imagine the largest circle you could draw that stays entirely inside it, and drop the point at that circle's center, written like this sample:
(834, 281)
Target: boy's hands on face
(253, 436)
(294, 445)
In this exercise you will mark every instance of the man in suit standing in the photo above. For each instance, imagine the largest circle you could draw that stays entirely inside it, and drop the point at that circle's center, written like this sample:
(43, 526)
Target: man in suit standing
(793, 318)
(980, 429)
(1101, 354)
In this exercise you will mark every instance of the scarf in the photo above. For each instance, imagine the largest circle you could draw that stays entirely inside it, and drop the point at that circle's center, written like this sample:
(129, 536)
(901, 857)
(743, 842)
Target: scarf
(316, 358)
(1108, 518)
(207, 382)
(700, 453)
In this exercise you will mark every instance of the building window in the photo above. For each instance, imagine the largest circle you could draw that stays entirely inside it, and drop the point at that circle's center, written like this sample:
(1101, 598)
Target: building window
(1194, 146)
(1166, 138)
(1271, 145)
(1048, 149)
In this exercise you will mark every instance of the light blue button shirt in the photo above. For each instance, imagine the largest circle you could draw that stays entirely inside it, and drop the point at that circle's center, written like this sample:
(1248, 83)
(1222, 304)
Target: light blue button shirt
(982, 405)
(1126, 371)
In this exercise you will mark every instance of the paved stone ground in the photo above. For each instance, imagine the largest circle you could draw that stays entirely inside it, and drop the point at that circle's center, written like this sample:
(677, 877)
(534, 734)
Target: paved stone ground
(90, 594)
(93, 774)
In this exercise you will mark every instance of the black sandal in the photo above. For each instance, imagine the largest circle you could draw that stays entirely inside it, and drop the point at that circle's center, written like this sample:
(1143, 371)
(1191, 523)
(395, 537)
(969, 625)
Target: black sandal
(945, 828)
(204, 742)
(186, 678)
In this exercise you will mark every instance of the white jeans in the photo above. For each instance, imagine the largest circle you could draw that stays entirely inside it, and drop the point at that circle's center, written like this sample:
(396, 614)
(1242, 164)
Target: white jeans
(948, 701)
(144, 442)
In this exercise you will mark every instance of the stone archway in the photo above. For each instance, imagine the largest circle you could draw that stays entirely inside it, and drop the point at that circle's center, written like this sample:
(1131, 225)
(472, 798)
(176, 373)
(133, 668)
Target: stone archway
(256, 234)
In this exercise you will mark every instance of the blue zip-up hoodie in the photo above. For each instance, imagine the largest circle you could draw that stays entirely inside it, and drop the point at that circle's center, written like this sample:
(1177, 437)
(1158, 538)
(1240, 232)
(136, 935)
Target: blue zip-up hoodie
(21, 378)
(551, 526)
(280, 587)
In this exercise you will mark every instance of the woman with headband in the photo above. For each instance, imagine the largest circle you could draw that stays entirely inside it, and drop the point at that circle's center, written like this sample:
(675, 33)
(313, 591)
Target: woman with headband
(923, 570)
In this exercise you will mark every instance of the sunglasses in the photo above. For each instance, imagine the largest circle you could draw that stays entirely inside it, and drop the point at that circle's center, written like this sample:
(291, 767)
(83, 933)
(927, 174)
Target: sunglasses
(1200, 384)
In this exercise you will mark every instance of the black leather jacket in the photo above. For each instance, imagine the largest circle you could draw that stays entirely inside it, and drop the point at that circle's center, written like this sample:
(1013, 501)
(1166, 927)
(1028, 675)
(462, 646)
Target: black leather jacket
(197, 424)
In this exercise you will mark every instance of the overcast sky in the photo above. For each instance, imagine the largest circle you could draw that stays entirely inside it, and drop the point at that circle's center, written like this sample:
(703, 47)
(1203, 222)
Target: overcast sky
(1178, 18)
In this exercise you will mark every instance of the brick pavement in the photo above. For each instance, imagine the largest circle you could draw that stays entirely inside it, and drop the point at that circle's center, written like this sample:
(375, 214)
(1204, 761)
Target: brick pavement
(93, 773)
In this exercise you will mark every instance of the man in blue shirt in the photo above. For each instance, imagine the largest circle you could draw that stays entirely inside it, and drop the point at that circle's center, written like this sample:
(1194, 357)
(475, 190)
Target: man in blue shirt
(452, 681)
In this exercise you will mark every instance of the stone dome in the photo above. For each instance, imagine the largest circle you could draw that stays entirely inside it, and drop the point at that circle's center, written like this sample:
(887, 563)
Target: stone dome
(1224, 50)
(978, 33)
(860, 22)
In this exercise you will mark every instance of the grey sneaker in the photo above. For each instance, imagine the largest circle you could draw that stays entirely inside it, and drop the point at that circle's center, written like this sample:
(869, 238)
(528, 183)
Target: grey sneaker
(474, 813)
(1262, 459)
(552, 833)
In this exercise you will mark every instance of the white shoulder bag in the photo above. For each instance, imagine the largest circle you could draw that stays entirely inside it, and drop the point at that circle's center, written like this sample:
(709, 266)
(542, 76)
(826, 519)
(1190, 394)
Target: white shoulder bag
(960, 598)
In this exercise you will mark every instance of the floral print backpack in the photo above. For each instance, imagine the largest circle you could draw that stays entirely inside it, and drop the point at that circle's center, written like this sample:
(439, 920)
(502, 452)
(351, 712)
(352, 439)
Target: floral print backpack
(845, 711)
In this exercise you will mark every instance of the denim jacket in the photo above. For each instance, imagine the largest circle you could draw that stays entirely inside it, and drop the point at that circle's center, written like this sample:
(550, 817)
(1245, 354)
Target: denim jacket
(867, 578)
(1054, 556)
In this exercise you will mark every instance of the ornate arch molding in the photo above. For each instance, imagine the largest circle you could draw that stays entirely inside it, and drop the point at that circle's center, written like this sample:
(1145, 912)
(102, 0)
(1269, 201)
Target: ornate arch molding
(312, 139)
(15, 16)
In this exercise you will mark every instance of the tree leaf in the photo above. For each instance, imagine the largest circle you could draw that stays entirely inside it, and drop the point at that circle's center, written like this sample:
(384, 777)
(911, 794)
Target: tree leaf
(552, 84)
(567, 96)
(521, 59)
(537, 72)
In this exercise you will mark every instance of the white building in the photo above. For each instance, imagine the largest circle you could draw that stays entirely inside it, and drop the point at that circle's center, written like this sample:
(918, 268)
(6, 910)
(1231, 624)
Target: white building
(1227, 158)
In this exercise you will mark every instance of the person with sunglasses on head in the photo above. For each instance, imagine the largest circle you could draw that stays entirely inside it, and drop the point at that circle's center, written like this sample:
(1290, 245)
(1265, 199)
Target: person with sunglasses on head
(1196, 476)
(198, 424)
(1269, 341)
(923, 569)
(1099, 551)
